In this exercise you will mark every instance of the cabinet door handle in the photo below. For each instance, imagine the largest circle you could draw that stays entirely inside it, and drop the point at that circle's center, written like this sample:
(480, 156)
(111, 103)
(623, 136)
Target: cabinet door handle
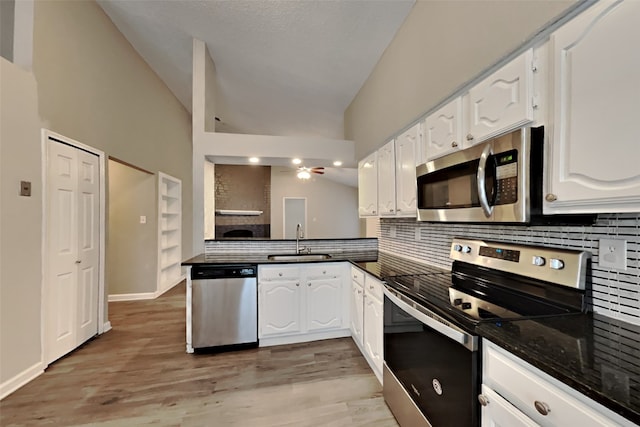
(483, 400)
(551, 197)
(542, 407)
(280, 274)
(371, 287)
(454, 144)
(308, 284)
(469, 137)
(78, 261)
(297, 284)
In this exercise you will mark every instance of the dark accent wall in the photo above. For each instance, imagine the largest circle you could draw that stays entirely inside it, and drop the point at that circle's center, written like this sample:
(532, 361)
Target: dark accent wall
(243, 187)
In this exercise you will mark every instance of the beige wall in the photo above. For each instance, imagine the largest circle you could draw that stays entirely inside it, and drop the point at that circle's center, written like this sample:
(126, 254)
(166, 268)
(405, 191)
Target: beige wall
(441, 46)
(132, 193)
(88, 84)
(95, 88)
(332, 208)
(20, 223)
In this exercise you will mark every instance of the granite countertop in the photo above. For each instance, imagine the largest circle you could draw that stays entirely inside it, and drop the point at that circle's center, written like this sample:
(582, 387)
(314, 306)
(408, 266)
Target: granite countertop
(594, 354)
(261, 258)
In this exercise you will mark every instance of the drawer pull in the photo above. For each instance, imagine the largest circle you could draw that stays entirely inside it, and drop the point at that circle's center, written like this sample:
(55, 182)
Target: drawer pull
(483, 400)
(542, 407)
(280, 274)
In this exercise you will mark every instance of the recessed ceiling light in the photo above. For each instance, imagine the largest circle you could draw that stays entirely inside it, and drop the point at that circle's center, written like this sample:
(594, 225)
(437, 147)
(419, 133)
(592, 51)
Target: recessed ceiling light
(337, 163)
(296, 161)
(254, 159)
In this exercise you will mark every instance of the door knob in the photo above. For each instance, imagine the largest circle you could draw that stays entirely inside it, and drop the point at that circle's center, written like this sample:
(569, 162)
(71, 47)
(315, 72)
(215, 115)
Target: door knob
(483, 400)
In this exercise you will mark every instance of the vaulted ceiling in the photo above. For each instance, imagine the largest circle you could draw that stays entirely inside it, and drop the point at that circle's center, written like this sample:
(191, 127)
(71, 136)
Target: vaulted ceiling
(284, 67)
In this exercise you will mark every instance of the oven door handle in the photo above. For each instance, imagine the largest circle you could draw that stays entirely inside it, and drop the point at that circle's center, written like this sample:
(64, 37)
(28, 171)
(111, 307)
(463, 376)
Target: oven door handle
(457, 336)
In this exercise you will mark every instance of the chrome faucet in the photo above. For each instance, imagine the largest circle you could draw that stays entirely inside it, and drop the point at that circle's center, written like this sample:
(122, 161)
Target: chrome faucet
(299, 235)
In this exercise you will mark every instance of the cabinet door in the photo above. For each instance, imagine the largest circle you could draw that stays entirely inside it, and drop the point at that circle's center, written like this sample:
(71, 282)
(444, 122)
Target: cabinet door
(373, 332)
(279, 308)
(443, 131)
(595, 144)
(368, 186)
(406, 193)
(500, 413)
(387, 180)
(324, 304)
(357, 312)
(503, 101)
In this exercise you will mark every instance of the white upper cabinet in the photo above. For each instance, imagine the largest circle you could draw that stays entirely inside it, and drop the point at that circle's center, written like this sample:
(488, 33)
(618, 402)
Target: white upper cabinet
(502, 101)
(406, 193)
(387, 179)
(595, 147)
(442, 131)
(368, 186)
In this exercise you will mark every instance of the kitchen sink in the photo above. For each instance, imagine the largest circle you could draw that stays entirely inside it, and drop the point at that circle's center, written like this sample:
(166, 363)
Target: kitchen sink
(298, 257)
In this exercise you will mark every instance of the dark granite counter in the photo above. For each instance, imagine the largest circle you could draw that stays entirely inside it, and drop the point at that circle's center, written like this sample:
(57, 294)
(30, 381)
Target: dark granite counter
(261, 258)
(594, 354)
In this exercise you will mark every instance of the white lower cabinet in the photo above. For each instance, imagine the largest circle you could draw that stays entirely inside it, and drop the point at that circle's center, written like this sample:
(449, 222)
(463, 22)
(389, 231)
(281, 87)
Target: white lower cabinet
(497, 412)
(302, 302)
(356, 302)
(367, 318)
(534, 397)
(373, 326)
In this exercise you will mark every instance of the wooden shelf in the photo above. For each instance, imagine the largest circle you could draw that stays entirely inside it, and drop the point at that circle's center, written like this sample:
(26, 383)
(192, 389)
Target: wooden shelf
(169, 231)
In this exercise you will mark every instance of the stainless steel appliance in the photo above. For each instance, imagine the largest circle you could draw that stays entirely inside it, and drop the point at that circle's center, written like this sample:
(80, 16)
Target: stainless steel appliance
(431, 363)
(499, 180)
(224, 306)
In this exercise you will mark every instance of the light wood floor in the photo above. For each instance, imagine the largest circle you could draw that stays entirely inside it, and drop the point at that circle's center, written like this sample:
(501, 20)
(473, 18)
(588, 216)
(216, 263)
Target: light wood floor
(138, 374)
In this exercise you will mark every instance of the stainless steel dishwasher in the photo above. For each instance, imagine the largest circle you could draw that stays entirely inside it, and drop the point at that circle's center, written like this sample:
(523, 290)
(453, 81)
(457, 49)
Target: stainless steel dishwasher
(224, 306)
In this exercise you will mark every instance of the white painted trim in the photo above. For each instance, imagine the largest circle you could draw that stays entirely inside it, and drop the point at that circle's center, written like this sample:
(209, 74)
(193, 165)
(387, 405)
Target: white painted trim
(316, 336)
(102, 217)
(133, 297)
(142, 295)
(106, 327)
(13, 384)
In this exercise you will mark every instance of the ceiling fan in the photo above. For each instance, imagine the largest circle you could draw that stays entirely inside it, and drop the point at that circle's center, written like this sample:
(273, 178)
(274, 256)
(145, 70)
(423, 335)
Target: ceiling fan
(305, 172)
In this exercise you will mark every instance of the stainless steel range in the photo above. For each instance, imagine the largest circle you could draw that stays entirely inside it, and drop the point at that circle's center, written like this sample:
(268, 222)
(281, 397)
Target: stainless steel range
(432, 370)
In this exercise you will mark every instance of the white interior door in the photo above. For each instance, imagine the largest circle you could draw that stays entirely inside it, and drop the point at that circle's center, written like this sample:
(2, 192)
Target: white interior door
(73, 249)
(295, 212)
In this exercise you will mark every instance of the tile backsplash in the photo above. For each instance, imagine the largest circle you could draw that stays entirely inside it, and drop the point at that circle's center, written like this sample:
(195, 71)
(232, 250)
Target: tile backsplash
(616, 293)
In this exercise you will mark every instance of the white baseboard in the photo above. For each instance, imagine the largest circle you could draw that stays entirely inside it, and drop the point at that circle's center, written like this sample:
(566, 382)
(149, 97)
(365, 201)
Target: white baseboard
(106, 327)
(133, 297)
(143, 295)
(292, 339)
(12, 384)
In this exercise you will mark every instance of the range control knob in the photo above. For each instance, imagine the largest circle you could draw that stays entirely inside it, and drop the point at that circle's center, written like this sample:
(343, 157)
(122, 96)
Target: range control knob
(466, 249)
(466, 305)
(457, 301)
(556, 264)
(457, 248)
(538, 260)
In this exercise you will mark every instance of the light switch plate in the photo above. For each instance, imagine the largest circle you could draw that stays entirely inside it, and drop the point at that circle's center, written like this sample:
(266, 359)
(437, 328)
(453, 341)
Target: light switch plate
(612, 253)
(143, 219)
(25, 188)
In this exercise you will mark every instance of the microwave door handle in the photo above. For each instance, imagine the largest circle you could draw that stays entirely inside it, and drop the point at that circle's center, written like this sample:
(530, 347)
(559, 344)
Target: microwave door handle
(481, 180)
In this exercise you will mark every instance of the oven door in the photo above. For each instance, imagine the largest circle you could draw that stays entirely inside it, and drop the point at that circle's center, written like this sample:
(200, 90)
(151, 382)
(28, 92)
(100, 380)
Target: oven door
(431, 369)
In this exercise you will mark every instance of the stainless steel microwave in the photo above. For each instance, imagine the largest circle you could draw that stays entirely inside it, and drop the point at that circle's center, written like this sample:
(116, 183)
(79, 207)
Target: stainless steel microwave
(499, 180)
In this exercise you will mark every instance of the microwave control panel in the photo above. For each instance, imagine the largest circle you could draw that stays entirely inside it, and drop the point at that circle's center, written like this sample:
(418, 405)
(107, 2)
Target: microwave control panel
(507, 177)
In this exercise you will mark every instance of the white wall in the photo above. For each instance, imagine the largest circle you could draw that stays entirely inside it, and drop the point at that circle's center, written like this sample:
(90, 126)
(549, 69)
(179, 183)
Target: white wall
(332, 208)
(20, 227)
(441, 46)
